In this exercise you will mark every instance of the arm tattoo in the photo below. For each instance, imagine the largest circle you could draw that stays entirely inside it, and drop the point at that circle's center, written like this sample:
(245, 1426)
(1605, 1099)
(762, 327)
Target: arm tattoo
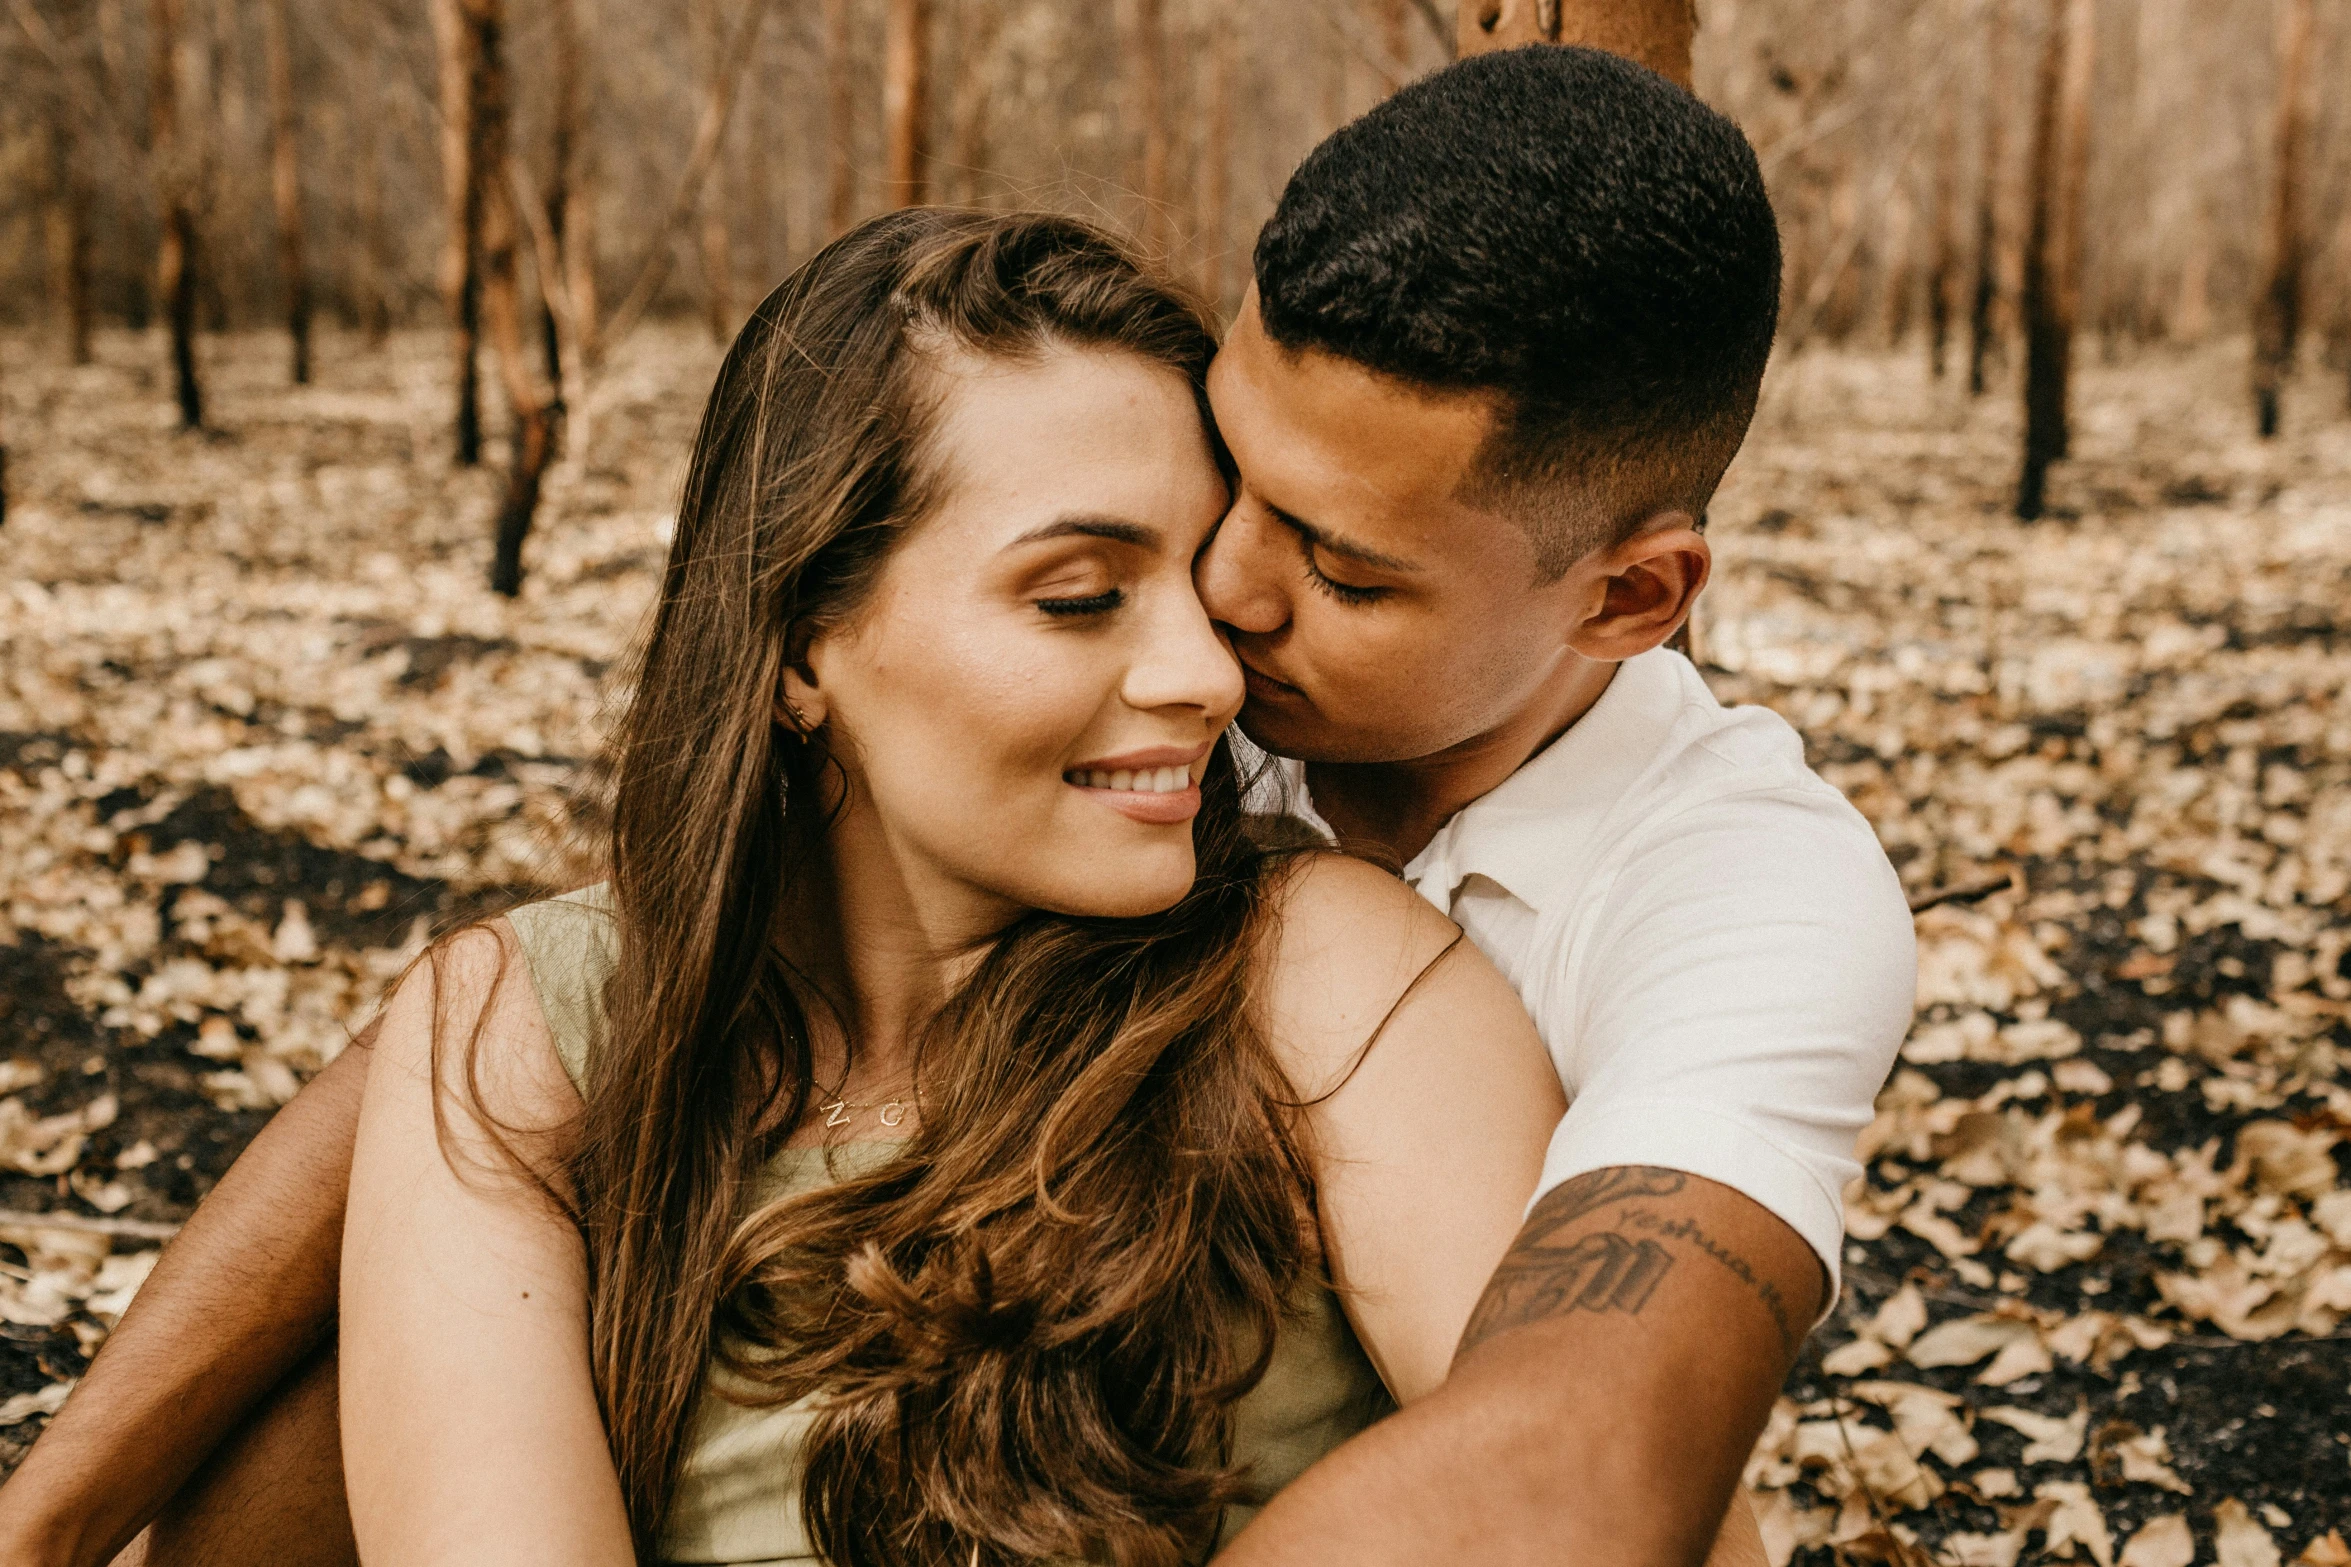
(1547, 1273)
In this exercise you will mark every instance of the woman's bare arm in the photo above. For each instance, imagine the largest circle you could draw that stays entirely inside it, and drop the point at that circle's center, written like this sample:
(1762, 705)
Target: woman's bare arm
(470, 1426)
(238, 1299)
(1428, 1143)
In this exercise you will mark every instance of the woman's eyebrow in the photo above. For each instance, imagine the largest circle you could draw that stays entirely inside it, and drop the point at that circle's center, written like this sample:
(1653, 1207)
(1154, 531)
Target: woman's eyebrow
(1115, 529)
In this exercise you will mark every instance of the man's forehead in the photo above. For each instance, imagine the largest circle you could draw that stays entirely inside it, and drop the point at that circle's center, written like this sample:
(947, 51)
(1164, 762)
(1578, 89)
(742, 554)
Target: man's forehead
(1343, 448)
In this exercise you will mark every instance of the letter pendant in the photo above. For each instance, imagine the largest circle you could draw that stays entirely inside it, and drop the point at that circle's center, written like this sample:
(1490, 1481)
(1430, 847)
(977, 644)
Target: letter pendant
(837, 1113)
(893, 1112)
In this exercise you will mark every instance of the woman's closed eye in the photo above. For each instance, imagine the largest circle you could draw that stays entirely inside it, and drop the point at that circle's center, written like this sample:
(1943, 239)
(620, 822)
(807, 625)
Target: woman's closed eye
(1101, 603)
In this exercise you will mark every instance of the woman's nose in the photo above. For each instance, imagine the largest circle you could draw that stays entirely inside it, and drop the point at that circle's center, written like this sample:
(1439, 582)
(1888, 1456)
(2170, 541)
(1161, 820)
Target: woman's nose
(1185, 662)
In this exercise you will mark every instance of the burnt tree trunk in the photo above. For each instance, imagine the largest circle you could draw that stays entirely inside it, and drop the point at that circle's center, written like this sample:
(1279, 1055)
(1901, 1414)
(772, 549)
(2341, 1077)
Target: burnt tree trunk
(285, 170)
(840, 121)
(1656, 33)
(1943, 232)
(563, 157)
(2277, 308)
(718, 260)
(456, 45)
(1146, 90)
(905, 64)
(534, 413)
(176, 275)
(67, 232)
(2061, 135)
(1984, 296)
(371, 297)
(1216, 153)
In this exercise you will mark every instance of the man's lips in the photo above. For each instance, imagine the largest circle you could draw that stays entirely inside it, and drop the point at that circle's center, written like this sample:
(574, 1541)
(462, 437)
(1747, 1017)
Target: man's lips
(1266, 688)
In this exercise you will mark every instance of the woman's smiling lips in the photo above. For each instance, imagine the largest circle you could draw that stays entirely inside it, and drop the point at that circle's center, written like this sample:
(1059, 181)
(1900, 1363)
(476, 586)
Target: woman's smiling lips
(1159, 786)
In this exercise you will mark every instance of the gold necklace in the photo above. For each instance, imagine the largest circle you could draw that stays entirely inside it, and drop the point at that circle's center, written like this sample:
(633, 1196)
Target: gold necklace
(893, 1111)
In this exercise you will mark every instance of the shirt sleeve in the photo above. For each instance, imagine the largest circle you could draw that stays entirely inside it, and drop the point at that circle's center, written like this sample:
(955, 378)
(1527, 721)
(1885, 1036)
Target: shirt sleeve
(1735, 1003)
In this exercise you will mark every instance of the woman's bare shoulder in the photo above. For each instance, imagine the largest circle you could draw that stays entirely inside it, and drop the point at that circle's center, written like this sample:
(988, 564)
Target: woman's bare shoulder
(467, 1017)
(1348, 940)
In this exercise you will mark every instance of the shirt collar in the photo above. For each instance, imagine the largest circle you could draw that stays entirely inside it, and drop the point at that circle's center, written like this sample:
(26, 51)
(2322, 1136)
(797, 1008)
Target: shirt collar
(1523, 833)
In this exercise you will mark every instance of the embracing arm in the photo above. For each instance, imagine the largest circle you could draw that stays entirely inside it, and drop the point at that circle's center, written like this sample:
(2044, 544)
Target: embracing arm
(1750, 986)
(471, 1432)
(1610, 1385)
(238, 1299)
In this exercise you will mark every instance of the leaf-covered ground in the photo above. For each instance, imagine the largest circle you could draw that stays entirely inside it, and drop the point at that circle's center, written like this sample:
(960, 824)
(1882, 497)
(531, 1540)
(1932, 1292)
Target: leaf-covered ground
(260, 725)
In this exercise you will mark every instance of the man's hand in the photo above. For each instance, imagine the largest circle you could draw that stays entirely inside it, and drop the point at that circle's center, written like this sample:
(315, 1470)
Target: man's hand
(1604, 1399)
(240, 1298)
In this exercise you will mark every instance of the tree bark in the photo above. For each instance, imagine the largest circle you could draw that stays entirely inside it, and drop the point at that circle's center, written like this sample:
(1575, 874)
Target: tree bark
(2277, 308)
(905, 64)
(456, 47)
(1146, 90)
(285, 166)
(1216, 154)
(1656, 33)
(533, 413)
(840, 121)
(176, 259)
(718, 261)
(1943, 231)
(67, 232)
(564, 135)
(2061, 135)
(1984, 296)
(371, 296)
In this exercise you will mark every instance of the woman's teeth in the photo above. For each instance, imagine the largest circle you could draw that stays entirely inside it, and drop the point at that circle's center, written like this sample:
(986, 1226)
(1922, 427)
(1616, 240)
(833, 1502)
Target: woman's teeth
(1149, 780)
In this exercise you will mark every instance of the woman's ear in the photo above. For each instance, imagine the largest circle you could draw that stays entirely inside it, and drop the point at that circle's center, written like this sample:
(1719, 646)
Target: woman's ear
(800, 706)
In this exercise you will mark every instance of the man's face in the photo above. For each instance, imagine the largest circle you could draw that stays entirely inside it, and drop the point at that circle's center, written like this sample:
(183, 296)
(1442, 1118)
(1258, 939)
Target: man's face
(1378, 616)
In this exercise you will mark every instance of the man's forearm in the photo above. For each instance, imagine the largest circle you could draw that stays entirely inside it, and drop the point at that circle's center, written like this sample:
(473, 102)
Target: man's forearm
(1604, 1401)
(243, 1294)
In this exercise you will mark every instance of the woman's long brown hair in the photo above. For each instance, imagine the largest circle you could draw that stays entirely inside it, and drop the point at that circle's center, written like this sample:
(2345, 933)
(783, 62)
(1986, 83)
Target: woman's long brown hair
(1025, 1332)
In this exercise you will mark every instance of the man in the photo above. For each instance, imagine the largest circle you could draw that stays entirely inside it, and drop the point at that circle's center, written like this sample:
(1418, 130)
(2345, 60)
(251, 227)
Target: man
(1506, 334)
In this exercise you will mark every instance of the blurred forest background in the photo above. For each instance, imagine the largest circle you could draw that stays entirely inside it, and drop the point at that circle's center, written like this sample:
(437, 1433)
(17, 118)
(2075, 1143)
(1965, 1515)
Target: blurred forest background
(319, 321)
(301, 163)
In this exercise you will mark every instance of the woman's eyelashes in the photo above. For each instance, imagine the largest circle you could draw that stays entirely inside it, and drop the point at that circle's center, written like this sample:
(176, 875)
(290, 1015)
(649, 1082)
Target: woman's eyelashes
(1092, 604)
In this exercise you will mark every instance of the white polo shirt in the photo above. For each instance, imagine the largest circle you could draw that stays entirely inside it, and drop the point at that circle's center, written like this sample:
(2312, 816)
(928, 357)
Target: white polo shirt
(1708, 937)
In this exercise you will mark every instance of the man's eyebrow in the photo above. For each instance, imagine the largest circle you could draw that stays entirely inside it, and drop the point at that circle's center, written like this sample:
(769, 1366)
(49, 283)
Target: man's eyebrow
(1116, 530)
(1345, 549)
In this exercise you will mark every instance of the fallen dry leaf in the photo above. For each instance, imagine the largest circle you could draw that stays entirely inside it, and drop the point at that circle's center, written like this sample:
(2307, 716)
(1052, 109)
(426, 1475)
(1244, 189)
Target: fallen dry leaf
(2162, 1541)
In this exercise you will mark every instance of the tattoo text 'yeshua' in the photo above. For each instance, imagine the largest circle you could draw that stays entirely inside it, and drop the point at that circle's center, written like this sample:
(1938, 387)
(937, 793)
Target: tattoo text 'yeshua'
(1548, 1272)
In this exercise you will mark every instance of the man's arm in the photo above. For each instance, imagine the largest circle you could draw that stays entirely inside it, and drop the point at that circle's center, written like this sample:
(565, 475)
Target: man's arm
(244, 1293)
(1604, 1399)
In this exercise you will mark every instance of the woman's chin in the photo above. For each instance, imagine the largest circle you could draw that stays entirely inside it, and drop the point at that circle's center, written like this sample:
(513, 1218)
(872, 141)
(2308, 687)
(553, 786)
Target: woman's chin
(1125, 891)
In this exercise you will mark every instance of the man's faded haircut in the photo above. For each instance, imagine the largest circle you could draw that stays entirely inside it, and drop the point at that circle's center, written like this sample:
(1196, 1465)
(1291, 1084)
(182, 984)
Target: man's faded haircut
(1563, 230)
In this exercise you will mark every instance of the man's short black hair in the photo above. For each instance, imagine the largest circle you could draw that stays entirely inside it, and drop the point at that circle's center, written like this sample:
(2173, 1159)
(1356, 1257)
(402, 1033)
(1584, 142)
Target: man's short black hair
(1566, 230)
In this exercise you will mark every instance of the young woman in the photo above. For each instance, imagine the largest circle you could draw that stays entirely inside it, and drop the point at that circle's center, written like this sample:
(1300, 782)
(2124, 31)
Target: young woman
(945, 1138)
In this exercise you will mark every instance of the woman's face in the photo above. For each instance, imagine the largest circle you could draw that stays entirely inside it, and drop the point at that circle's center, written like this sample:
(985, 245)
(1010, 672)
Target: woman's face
(1026, 704)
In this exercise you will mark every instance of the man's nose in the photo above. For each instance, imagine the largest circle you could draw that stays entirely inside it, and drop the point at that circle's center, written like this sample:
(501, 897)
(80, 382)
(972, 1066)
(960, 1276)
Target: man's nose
(1239, 581)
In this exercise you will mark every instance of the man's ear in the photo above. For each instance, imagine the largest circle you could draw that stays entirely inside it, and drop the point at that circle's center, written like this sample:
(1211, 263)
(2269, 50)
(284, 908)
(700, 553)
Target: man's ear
(1644, 588)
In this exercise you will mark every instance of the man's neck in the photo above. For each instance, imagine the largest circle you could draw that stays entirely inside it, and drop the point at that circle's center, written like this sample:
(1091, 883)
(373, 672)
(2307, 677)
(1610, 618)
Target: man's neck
(1397, 807)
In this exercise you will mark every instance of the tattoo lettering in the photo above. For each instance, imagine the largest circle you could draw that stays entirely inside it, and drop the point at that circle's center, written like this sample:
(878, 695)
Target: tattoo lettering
(1546, 1274)
(1650, 1222)
(1549, 1273)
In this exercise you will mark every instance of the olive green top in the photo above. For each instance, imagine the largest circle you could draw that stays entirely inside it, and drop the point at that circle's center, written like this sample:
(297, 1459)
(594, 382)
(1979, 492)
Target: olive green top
(738, 1496)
